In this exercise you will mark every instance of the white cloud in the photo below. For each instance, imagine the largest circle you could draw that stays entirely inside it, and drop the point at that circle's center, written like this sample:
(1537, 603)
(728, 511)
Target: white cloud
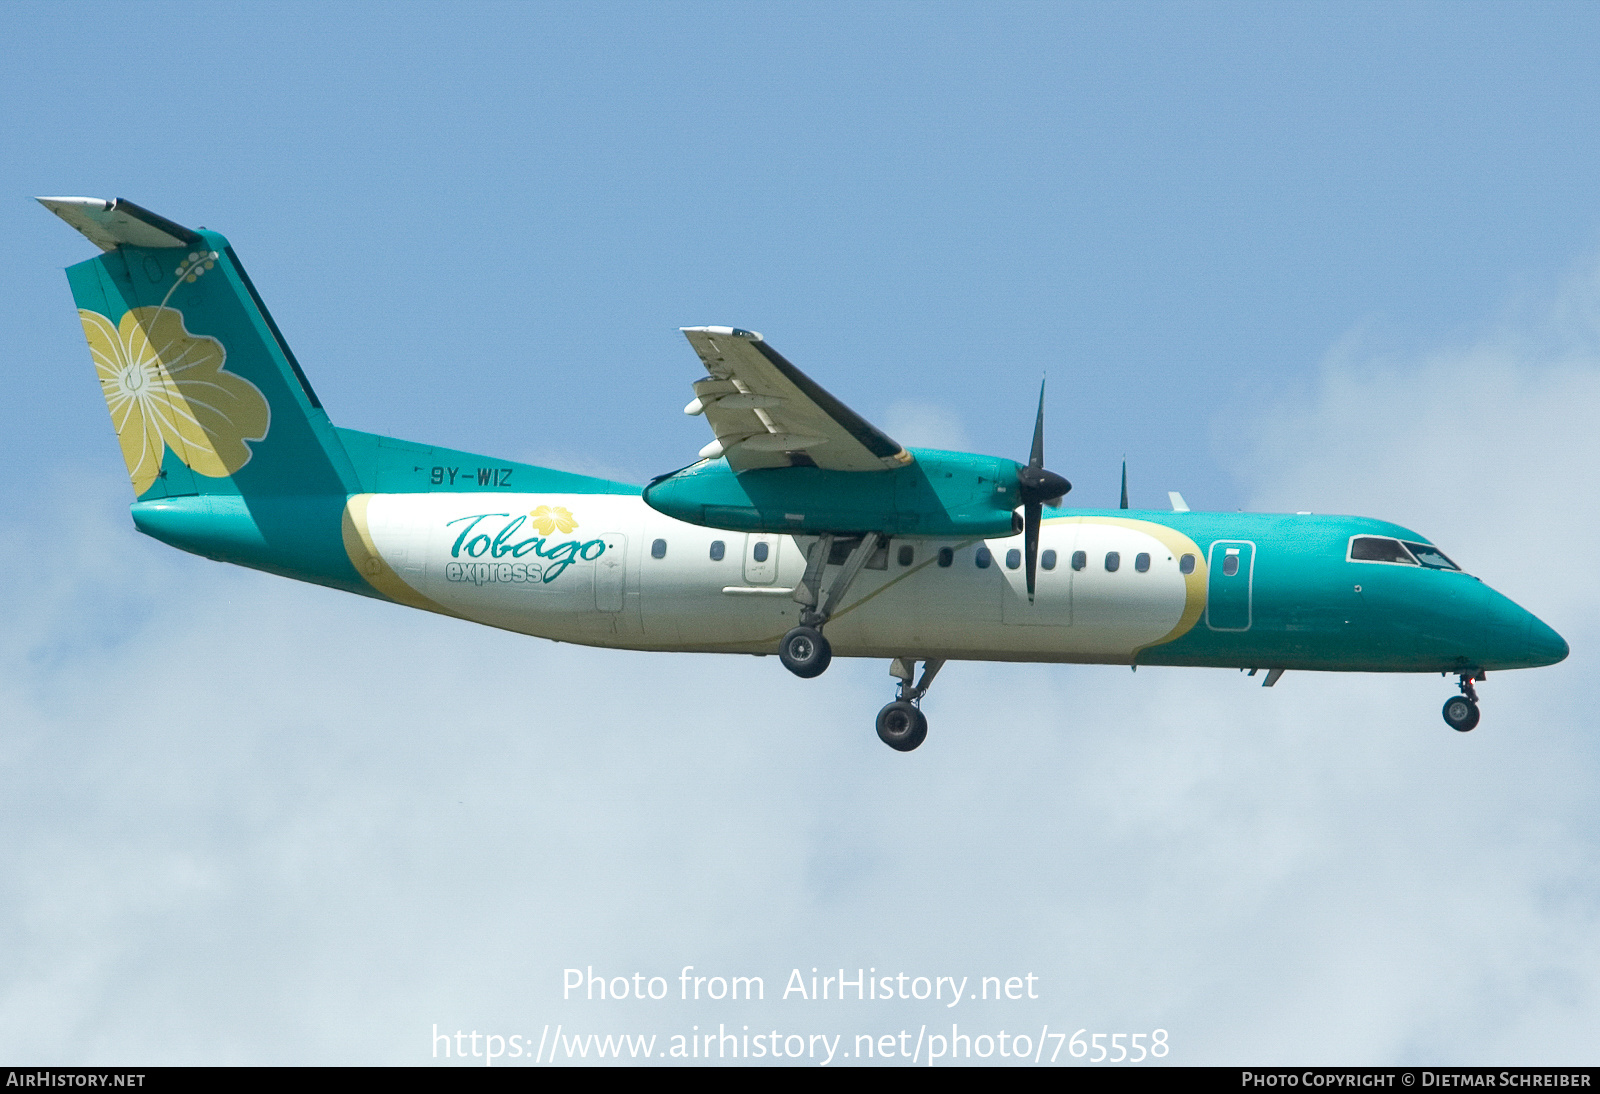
(254, 821)
(925, 425)
(1489, 449)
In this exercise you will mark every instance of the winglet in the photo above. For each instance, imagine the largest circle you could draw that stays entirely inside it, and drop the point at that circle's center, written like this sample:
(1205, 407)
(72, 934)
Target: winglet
(110, 224)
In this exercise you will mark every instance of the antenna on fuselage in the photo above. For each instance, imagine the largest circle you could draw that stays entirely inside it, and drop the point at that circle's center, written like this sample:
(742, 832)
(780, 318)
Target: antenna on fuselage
(1124, 482)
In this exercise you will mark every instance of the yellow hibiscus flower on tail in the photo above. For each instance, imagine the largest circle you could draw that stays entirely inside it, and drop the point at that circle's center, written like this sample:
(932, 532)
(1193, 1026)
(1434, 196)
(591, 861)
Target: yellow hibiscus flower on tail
(166, 388)
(549, 520)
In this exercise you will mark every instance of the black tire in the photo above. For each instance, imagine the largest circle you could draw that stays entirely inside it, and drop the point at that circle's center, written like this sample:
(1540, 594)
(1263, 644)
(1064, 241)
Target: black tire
(805, 652)
(902, 726)
(1460, 713)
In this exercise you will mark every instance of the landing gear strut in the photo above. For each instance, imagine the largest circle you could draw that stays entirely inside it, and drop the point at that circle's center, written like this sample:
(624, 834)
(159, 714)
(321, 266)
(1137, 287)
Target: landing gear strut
(804, 651)
(1461, 711)
(902, 725)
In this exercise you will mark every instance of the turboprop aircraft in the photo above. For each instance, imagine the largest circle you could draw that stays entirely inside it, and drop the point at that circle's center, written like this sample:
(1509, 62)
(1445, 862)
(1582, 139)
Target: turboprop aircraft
(800, 530)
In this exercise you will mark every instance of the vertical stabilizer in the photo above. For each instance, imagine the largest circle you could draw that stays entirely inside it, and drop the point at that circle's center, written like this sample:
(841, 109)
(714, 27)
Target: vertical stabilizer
(205, 396)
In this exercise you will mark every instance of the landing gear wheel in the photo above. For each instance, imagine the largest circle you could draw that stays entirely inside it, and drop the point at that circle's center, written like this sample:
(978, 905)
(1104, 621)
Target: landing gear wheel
(902, 726)
(1460, 713)
(805, 652)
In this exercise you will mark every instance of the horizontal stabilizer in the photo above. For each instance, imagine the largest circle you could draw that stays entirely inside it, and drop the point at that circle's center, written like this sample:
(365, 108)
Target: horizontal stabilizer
(110, 224)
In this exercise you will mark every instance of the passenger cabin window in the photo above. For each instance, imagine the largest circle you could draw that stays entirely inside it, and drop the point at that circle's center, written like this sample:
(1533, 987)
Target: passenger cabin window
(983, 558)
(1113, 560)
(1141, 562)
(760, 551)
(1013, 559)
(1230, 564)
(907, 554)
(1080, 559)
(1430, 556)
(1379, 549)
(946, 557)
(1186, 564)
(1048, 560)
(658, 549)
(718, 549)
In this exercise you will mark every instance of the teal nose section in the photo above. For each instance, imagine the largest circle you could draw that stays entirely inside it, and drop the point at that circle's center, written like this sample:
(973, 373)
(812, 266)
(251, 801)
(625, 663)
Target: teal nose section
(1518, 639)
(1545, 646)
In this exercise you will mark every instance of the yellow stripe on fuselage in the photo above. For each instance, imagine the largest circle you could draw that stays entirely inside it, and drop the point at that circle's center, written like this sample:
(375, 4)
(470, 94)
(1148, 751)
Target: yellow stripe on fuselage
(1194, 584)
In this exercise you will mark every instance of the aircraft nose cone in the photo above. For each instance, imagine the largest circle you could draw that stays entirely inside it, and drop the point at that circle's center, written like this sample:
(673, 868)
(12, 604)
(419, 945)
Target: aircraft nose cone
(1546, 646)
(1513, 637)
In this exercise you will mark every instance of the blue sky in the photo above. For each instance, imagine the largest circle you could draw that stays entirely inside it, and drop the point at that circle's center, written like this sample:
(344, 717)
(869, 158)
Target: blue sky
(472, 221)
(1331, 257)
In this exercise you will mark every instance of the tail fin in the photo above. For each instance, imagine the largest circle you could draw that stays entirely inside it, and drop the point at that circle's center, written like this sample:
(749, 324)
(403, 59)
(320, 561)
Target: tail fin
(204, 394)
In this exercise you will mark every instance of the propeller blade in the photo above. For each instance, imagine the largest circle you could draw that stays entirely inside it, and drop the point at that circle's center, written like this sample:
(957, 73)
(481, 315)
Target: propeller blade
(1036, 459)
(1124, 483)
(1031, 514)
(1036, 486)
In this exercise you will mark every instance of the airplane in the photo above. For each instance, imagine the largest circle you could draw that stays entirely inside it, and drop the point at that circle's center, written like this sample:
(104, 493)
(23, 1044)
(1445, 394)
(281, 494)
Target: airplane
(801, 529)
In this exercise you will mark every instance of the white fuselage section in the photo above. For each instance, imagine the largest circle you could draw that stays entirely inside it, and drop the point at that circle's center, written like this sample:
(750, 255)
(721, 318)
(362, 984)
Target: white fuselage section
(607, 570)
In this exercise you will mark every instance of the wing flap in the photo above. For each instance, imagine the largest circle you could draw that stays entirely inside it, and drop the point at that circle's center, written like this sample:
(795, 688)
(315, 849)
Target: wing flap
(767, 413)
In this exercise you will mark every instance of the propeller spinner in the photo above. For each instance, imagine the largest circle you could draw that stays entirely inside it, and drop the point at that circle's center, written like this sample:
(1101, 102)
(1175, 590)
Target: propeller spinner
(1037, 487)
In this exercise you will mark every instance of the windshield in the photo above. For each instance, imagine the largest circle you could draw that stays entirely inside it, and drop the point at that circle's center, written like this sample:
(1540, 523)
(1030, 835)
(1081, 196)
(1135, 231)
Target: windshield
(1379, 549)
(1403, 553)
(1430, 556)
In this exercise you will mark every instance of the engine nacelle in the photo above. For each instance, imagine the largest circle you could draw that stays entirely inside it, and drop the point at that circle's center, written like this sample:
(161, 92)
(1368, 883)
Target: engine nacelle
(937, 494)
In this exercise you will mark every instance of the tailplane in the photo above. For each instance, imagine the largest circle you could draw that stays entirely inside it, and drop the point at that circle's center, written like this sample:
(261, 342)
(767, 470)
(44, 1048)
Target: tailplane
(229, 450)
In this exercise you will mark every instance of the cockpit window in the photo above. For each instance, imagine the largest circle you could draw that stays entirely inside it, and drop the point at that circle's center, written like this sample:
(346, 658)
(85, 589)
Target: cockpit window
(1379, 549)
(1402, 552)
(1430, 556)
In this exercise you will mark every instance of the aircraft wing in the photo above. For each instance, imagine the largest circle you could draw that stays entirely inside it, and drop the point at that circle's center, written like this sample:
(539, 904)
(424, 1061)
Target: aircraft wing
(767, 413)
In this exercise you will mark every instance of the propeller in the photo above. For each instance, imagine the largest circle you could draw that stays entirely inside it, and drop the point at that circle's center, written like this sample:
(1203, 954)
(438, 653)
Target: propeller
(1036, 487)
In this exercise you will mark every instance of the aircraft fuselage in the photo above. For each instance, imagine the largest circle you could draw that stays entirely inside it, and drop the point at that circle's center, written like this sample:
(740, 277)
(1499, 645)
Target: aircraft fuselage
(607, 570)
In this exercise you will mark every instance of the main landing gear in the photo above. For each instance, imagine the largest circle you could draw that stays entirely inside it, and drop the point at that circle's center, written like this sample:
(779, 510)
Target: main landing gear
(1461, 711)
(804, 651)
(902, 725)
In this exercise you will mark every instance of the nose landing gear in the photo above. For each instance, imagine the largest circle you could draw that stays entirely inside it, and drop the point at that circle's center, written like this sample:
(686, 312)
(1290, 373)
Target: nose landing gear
(1461, 711)
(902, 725)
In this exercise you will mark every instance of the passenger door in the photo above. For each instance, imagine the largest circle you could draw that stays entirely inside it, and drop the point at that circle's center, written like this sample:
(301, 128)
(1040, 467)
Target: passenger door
(1232, 577)
(610, 573)
(761, 557)
(1052, 587)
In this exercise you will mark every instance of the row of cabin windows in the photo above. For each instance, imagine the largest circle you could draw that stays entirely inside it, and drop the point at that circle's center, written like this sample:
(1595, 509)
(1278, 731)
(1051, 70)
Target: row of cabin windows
(1047, 560)
(984, 559)
(762, 551)
(1080, 559)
